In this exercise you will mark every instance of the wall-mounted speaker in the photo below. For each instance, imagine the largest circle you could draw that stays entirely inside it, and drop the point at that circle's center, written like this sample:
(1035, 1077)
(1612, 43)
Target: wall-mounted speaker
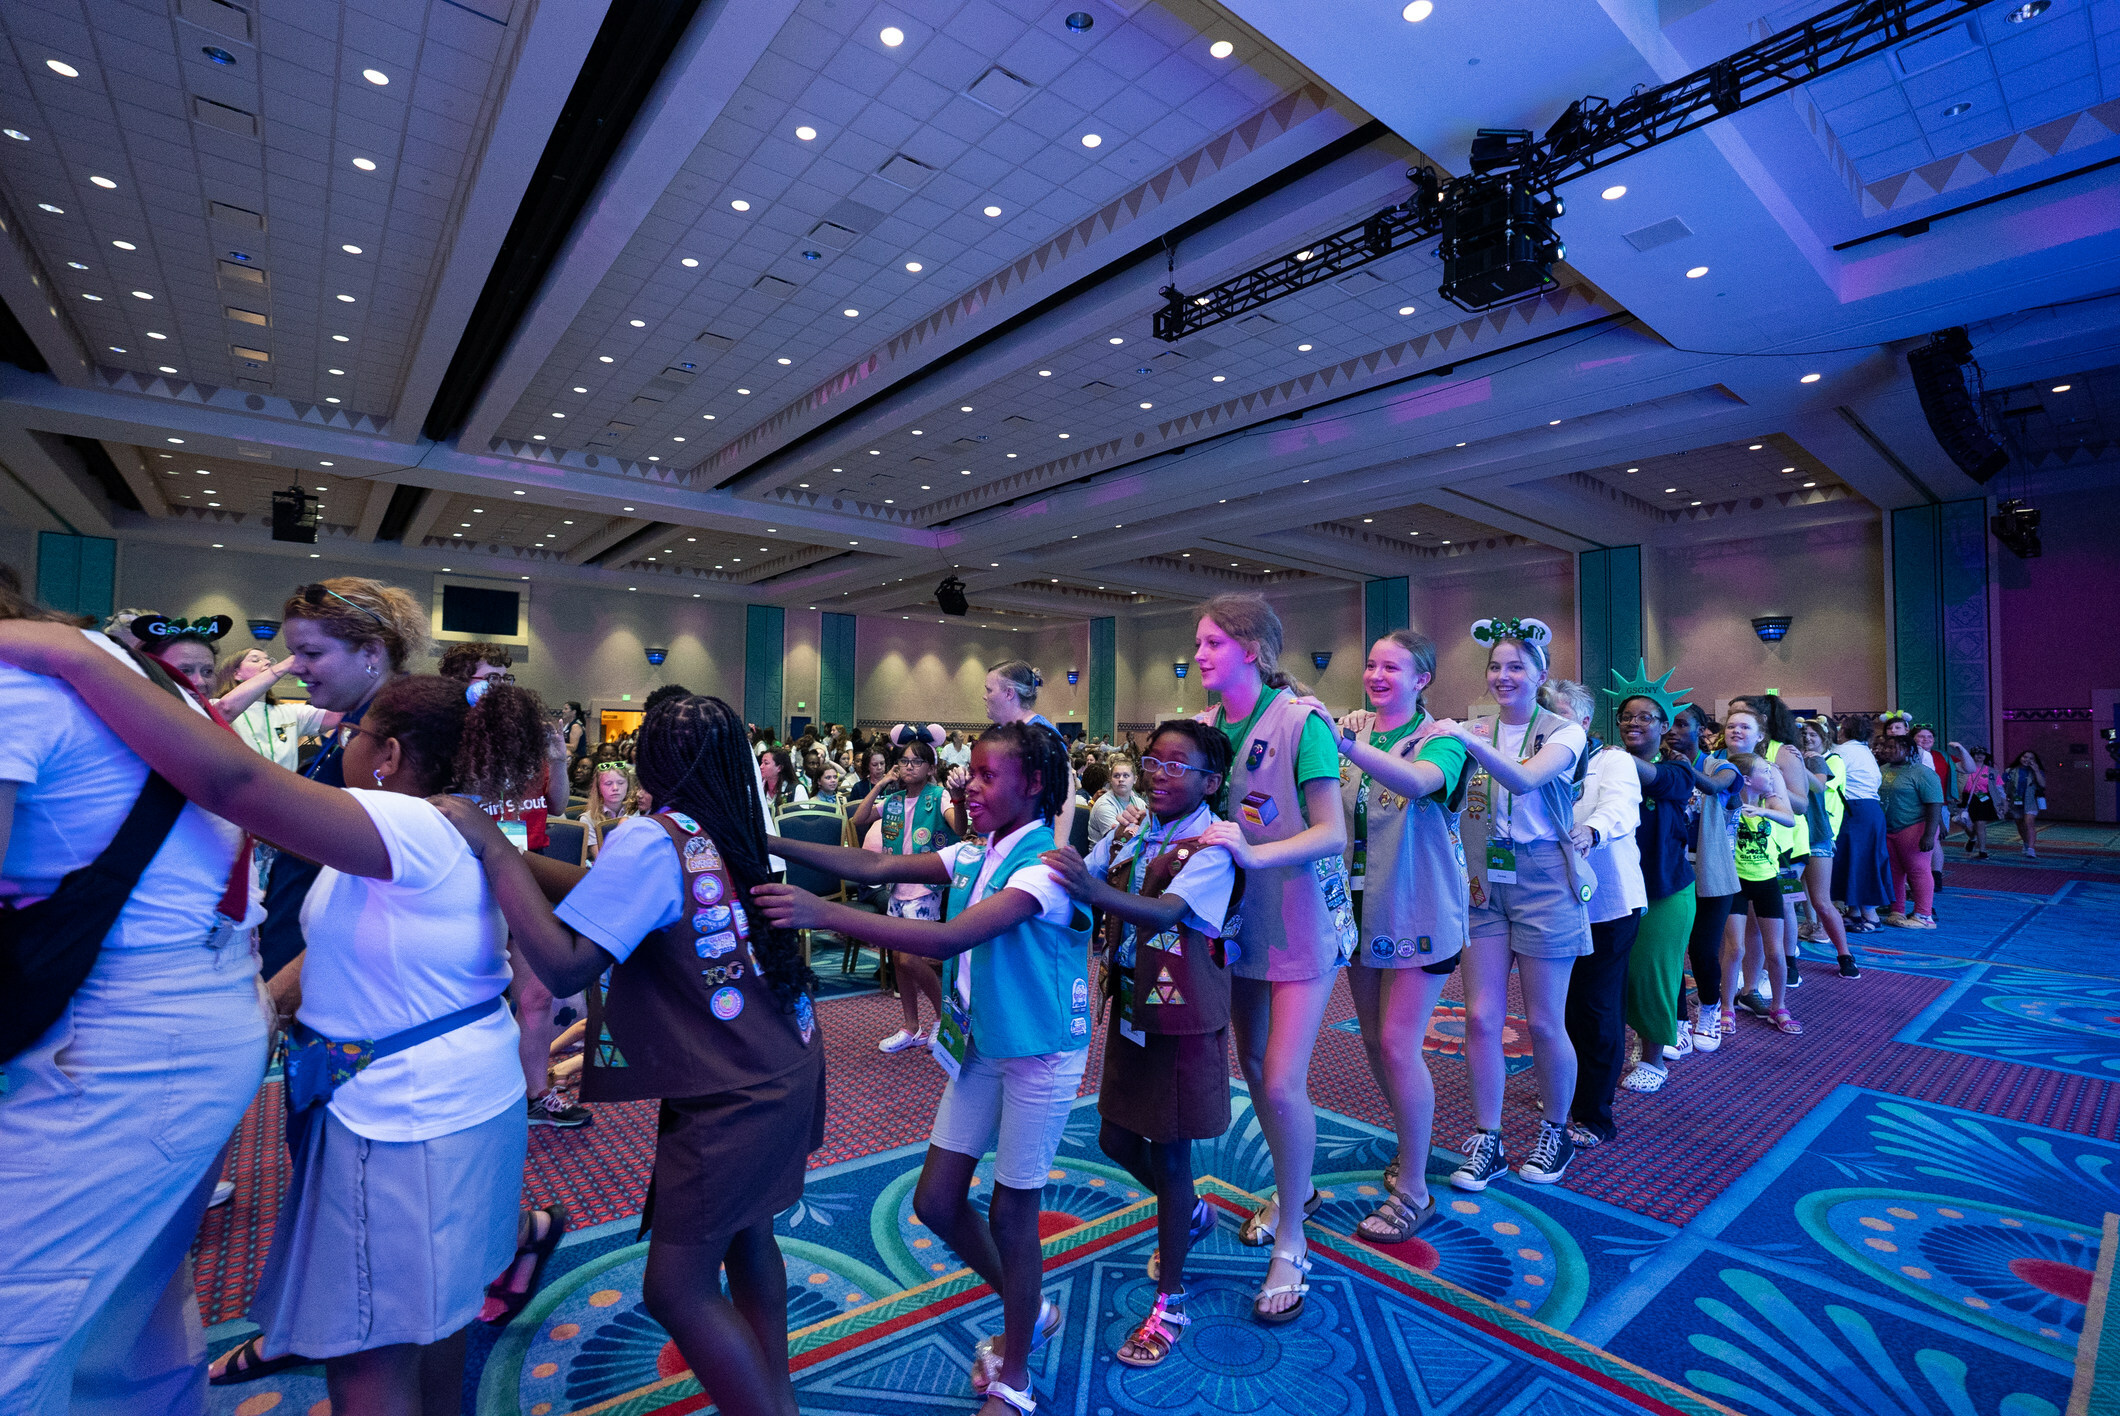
(1938, 368)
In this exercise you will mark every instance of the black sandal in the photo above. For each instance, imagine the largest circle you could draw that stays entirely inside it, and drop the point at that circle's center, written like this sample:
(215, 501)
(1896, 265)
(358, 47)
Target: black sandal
(498, 1291)
(243, 1364)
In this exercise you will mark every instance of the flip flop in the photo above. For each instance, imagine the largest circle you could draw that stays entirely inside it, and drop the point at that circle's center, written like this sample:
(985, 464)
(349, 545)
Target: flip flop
(498, 1292)
(245, 1365)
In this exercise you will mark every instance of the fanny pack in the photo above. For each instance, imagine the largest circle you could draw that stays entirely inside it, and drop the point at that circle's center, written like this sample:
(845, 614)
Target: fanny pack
(315, 1066)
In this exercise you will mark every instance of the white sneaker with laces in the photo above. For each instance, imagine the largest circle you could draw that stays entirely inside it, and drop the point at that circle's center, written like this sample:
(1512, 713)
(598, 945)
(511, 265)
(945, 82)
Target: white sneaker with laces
(1684, 1046)
(1707, 1029)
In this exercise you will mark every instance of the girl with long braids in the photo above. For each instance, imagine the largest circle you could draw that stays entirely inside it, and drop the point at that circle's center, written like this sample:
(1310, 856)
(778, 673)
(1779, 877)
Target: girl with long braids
(404, 1095)
(708, 1011)
(1285, 829)
(1014, 1032)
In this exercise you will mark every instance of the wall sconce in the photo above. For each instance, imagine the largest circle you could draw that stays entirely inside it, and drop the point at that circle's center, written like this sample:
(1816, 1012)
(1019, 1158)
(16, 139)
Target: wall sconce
(657, 655)
(1178, 668)
(1771, 628)
(1321, 657)
(1074, 676)
(263, 630)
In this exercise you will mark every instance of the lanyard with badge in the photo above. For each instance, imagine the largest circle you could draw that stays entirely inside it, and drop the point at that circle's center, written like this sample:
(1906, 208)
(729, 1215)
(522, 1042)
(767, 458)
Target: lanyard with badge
(952, 1041)
(1501, 850)
(1359, 870)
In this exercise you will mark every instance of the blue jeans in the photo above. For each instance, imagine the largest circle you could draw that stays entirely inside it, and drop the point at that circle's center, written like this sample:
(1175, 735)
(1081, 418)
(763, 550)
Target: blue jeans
(108, 1133)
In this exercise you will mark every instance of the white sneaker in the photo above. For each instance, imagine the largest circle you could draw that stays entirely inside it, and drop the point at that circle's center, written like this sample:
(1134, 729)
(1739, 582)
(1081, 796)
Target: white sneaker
(1707, 1028)
(899, 1041)
(1684, 1046)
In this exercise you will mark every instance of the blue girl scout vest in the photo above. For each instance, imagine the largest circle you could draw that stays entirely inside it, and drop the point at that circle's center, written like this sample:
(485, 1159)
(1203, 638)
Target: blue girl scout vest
(1029, 984)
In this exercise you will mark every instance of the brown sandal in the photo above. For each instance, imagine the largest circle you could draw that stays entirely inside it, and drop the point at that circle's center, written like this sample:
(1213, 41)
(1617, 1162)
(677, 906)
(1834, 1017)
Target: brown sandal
(1396, 1220)
(243, 1363)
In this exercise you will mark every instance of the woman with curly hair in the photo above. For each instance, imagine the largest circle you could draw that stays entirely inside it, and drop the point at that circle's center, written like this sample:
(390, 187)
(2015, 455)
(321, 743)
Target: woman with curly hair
(709, 1013)
(404, 1094)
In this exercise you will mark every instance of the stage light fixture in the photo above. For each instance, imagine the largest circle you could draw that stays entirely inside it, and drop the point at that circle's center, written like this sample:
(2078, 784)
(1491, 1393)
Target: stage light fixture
(1178, 668)
(1074, 676)
(294, 516)
(949, 596)
(2016, 525)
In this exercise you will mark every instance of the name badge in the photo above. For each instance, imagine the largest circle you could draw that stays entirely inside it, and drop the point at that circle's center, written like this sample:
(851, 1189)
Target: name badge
(1501, 864)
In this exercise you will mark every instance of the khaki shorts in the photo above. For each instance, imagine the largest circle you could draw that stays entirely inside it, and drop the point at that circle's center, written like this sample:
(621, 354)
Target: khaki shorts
(1539, 915)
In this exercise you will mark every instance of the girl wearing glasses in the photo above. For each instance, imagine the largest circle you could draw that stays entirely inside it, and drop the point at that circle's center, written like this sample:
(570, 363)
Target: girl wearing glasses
(1400, 791)
(1285, 830)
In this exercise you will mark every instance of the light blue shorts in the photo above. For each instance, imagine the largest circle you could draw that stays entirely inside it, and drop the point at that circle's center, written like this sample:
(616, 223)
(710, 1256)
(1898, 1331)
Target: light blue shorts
(1015, 1107)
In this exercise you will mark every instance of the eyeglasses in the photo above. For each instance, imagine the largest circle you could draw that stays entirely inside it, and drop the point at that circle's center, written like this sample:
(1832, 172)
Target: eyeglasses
(314, 595)
(1157, 767)
(1626, 718)
(500, 678)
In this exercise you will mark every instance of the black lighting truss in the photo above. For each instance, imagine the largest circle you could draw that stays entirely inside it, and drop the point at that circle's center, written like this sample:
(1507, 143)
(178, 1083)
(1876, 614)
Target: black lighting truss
(1592, 134)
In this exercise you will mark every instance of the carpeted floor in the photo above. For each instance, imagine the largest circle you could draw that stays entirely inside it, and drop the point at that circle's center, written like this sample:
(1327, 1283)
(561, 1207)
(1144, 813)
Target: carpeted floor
(1898, 1212)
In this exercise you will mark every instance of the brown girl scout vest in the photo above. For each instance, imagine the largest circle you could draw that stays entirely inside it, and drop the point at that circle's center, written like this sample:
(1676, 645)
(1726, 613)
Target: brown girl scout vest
(1180, 979)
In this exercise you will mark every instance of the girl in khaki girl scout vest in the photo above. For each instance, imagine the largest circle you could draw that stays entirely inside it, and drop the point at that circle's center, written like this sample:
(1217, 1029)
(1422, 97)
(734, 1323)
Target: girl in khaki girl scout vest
(1400, 790)
(1014, 1033)
(1161, 899)
(708, 1010)
(909, 802)
(1528, 889)
(1285, 831)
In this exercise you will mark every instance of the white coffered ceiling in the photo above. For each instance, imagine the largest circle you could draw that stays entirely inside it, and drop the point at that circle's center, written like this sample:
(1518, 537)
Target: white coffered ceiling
(843, 315)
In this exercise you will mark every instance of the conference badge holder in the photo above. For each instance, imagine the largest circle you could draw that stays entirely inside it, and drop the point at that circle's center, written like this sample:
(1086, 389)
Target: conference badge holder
(1501, 863)
(1125, 990)
(953, 1034)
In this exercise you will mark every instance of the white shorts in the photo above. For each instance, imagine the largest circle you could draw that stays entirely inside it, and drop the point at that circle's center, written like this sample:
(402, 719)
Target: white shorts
(1016, 1107)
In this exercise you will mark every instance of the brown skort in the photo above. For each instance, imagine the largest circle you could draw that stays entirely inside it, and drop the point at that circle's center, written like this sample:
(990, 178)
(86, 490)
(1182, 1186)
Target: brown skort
(1174, 1089)
(726, 1162)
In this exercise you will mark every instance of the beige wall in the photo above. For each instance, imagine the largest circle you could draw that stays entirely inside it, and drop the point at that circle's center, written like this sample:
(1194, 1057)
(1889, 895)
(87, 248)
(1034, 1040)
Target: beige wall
(919, 671)
(1445, 605)
(1699, 603)
(1331, 620)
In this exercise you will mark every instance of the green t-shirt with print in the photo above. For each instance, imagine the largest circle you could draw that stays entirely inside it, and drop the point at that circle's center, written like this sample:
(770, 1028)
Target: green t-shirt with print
(1446, 754)
(1317, 756)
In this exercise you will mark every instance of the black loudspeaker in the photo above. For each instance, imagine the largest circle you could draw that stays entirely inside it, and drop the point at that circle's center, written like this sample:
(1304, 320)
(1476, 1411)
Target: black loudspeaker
(294, 516)
(1939, 381)
(949, 596)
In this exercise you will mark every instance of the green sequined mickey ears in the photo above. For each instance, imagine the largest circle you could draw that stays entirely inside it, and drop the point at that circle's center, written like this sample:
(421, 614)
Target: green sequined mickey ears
(1656, 690)
(1524, 631)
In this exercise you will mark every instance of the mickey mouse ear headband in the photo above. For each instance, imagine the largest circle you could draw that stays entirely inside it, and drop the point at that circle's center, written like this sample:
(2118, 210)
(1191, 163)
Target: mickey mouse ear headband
(1524, 631)
(932, 734)
(158, 631)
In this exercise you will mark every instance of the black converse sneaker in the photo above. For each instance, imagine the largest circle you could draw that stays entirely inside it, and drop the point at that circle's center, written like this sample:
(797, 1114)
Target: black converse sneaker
(1484, 1161)
(1550, 1157)
(552, 1109)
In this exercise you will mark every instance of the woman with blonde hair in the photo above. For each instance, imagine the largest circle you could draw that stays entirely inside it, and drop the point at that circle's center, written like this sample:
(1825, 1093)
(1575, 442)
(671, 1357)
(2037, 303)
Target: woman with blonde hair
(1284, 828)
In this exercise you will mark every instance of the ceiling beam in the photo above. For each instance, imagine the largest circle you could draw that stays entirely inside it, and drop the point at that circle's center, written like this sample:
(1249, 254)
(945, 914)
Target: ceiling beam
(374, 510)
(126, 458)
(548, 58)
(55, 476)
(423, 517)
(593, 545)
(719, 49)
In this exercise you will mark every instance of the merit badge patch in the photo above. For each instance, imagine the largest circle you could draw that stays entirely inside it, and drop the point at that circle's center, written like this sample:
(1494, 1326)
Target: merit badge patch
(726, 1003)
(805, 1018)
(922, 836)
(1078, 1026)
(685, 821)
(1256, 756)
(708, 920)
(706, 889)
(1082, 995)
(713, 946)
(743, 924)
(1382, 947)
(697, 846)
(1258, 808)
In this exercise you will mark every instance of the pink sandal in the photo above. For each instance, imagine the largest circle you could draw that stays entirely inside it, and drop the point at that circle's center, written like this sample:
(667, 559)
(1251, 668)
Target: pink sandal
(1785, 1023)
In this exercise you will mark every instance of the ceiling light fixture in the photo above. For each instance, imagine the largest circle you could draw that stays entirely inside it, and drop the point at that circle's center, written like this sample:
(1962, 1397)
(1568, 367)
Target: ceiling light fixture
(1696, 273)
(376, 77)
(350, 250)
(97, 298)
(638, 324)
(913, 266)
(892, 36)
(739, 204)
(16, 133)
(1810, 378)
(345, 299)
(54, 210)
(1957, 109)
(167, 368)
(1045, 373)
(105, 183)
(142, 295)
(1091, 140)
(851, 314)
(579, 389)
(1409, 309)
(1302, 349)
(1417, 11)
(2030, 10)
(1146, 406)
(365, 164)
(807, 133)
(342, 339)
(603, 358)
(1755, 447)
(1613, 193)
(745, 392)
(1221, 378)
(2060, 388)
(63, 69)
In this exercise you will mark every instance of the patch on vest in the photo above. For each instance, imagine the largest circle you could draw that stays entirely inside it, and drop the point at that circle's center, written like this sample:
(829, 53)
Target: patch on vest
(713, 946)
(708, 920)
(1257, 754)
(721, 974)
(921, 837)
(1078, 1026)
(1258, 808)
(805, 1017)
(1082, 995)
(726, 1003)
(690, 826)
(1169, 942)
(707, 889)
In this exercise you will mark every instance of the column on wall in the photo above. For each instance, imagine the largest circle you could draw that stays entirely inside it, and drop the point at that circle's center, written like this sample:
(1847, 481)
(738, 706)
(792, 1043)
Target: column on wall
(1609, 608)
(1103, 678)
(77, 574)
(1385, 607)
(835, 670)
(764, 643)
(1940, 617)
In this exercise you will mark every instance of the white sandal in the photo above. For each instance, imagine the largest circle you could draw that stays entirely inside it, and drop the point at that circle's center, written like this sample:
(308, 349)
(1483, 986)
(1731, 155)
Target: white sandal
(1022, 1400)
(1299, 1288)
(986, 1361)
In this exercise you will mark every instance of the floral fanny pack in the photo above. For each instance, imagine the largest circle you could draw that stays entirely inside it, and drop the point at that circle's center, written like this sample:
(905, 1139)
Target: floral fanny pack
(315, 1066)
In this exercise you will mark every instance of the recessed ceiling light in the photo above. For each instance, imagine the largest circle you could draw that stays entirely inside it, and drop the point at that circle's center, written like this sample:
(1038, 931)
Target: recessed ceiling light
(1302, 349)
(603, 358)
(86, 296)
(807, 133)
(623, 508)
(335, 371)
(537, 437)
(117, 349)
(2060, 388)
(1144, 406)
(1065, 436)
(851, 314)
(1957, 109)
(783, 361)
(365, 164)
(1810, 378)
(1115, 339)
(708, 416)
(54, 210)
(1409, 309)
(63, 69)
(175, 440)
(579, 389)
(16, 133)
(142, 295)
(1219, 378)
(638, 324)
(1787, 470)
(1669, 490)
(350, 249)
(1090, 140)
(892, 37)
(919, 432)
(105, 183)
(340, 338)
(1417, 11)
(739, 204)
(993, 211)
(677, 440)
(2029, 10)
(1810, 484)
(1696, 273)
(375, 76)
(559, 415)
(746, 392)
(346, 299)
(1221, 49)
(1045, 373)
(1460, 444)
(167, 368)
(326, 464)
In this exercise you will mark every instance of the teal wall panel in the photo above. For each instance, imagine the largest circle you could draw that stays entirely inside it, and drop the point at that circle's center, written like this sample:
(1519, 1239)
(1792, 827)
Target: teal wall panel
(835, 677)
(1609, 594)
(765, 640)
(1385, 607)
(1940, 617)
(1103, 678)
(78, 574)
